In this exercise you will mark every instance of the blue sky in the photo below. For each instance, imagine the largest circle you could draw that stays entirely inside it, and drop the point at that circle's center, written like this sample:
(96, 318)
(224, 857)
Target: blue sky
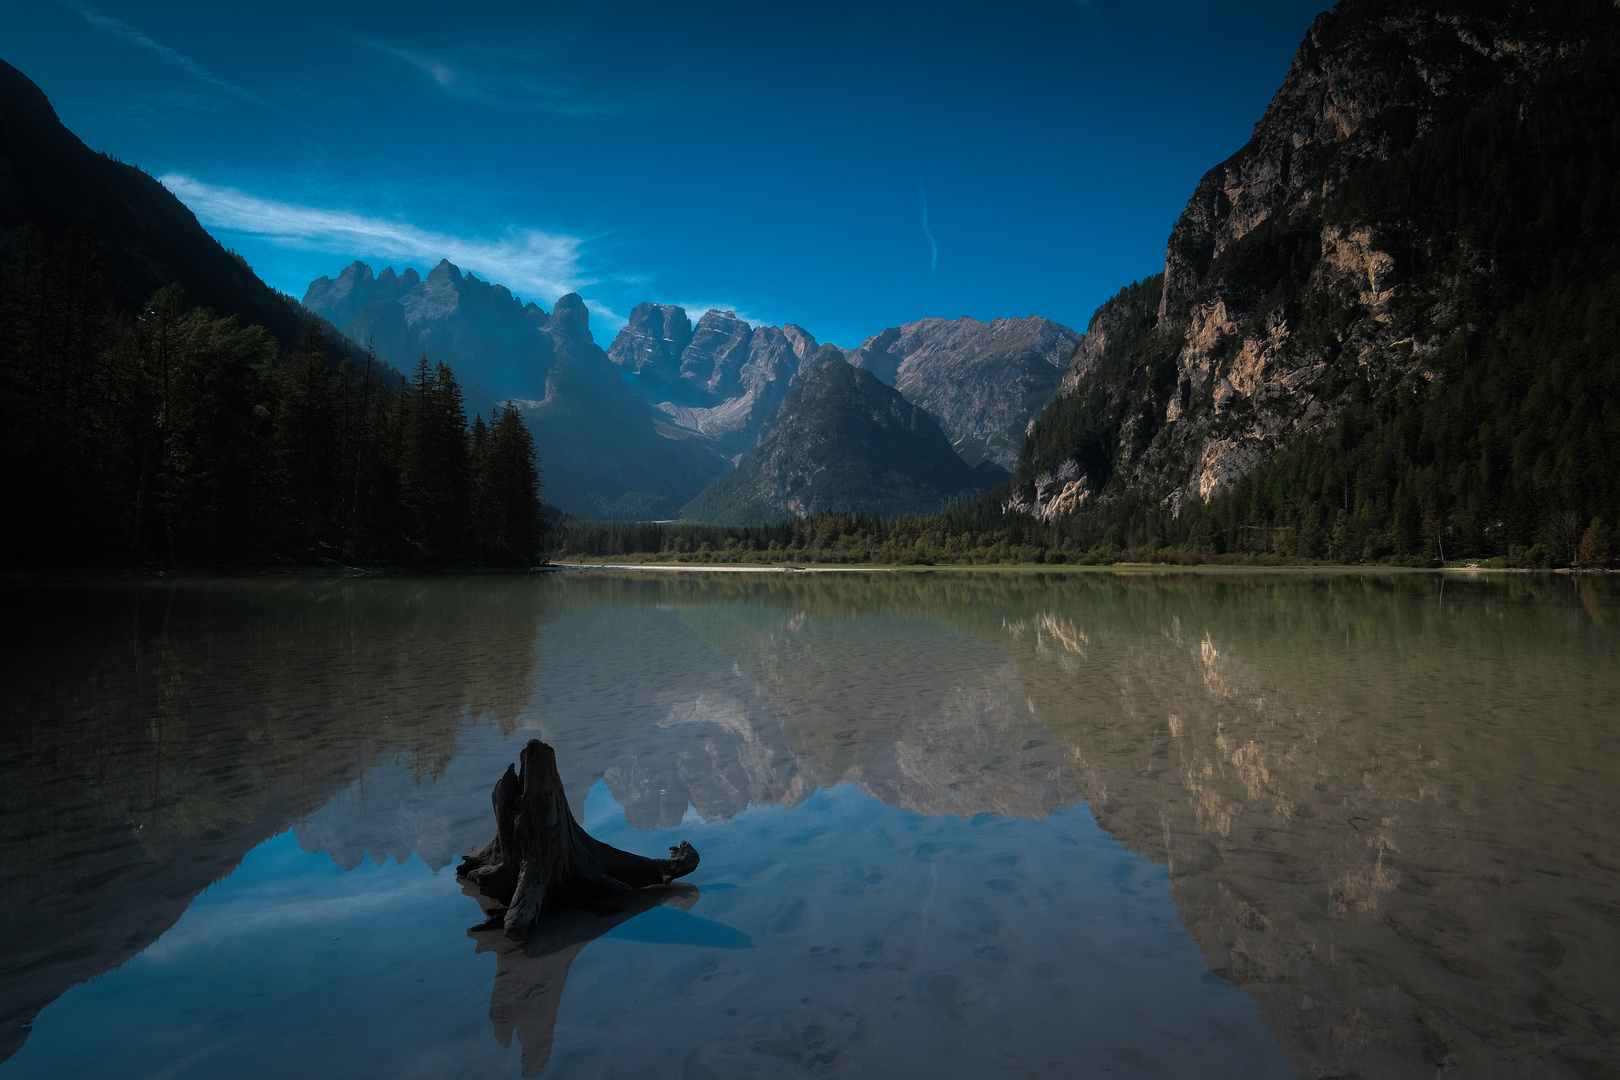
(844, 167)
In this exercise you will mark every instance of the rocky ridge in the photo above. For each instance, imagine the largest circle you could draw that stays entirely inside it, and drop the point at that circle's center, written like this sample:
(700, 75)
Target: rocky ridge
(495, 341)
(722, 380)
(671, 406)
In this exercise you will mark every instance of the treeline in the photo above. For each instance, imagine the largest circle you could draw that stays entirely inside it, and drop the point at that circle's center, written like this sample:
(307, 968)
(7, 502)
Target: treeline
(969, 535)
(979, 535)
(178, 436)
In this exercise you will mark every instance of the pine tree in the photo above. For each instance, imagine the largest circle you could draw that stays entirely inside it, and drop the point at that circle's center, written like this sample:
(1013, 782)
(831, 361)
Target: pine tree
(306, 439)
(515, 521)
(434, 474)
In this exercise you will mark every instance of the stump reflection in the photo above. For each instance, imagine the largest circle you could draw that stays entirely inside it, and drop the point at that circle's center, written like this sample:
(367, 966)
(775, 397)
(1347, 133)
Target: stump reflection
(530, 974)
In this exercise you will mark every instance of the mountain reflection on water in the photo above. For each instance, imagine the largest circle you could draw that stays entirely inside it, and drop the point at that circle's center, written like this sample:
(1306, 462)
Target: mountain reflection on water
(1387, 804)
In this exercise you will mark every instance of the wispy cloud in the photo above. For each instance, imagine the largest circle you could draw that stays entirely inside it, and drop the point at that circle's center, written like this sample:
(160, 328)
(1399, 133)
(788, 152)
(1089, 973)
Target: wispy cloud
(118, 28)
(536, 264)
(490, 77)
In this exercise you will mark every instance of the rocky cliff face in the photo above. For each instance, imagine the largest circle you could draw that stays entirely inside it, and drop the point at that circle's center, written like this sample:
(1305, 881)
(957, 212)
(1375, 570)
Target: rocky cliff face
(724, 379)
(983, 381)
(841, 440)
(721, 381)
(494, 340)
(1299, 276)
(606, 452)
(651, 343)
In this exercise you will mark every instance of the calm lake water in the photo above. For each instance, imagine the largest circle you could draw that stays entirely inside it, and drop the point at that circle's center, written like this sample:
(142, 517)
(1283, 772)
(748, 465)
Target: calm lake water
(951, 825)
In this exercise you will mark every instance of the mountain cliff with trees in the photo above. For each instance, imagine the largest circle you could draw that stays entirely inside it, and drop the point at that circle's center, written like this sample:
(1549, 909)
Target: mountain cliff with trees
(610, 453)
(1388, 326)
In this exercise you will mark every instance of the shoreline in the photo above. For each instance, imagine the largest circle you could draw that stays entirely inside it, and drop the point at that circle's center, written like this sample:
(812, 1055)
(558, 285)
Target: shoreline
(352, 573)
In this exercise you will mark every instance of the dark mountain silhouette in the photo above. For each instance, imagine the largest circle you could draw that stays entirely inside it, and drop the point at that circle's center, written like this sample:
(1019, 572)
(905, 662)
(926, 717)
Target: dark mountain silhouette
(146, 237)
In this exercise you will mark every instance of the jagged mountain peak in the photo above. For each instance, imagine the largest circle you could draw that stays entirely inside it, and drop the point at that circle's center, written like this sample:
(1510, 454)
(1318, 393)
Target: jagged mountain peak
(653, 337)
(570, 318)
(721, 379)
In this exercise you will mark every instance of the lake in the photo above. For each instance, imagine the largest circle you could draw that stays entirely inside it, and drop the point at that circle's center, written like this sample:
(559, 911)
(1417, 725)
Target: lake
(1120, 823)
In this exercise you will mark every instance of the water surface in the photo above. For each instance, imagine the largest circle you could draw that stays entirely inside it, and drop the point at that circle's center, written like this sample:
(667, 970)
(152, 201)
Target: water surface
(951, 825)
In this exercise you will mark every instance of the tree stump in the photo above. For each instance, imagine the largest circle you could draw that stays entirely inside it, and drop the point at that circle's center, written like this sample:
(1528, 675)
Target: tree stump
(541, 858)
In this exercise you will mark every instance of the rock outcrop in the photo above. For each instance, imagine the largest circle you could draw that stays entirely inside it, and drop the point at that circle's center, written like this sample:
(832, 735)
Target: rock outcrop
(492, 339)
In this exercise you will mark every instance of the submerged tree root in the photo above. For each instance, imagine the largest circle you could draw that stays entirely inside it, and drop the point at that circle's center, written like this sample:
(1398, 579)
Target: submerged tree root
(541, 858)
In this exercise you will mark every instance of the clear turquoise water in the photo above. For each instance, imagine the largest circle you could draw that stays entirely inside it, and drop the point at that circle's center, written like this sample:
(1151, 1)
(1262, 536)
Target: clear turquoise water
(950, 826)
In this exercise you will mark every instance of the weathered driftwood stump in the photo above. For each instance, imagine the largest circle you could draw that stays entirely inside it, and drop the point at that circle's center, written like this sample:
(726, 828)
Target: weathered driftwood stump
(541, 858)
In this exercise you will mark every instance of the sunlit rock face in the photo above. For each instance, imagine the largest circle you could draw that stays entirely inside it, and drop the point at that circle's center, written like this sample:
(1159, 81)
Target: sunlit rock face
(1281, 294)
(983, 381)
(721, 381)
(651, 343)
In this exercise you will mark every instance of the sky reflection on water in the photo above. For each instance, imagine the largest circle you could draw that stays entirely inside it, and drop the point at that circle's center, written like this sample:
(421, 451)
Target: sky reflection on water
(840, 937)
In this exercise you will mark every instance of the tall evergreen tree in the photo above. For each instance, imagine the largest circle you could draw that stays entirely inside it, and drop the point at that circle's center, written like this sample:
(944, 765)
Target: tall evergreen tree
(506, 514)
(306, 437)
(434, 474)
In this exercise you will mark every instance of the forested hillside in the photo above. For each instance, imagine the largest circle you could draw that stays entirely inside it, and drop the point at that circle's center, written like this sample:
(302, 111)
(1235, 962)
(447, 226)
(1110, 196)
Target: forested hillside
(144, 236)
(181, 436)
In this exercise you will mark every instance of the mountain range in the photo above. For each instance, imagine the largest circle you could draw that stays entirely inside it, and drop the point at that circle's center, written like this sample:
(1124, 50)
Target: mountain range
(913, 418)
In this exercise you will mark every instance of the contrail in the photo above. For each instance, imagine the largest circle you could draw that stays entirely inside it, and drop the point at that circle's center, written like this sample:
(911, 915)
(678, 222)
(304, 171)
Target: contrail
(933, 248)
(180, 60)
